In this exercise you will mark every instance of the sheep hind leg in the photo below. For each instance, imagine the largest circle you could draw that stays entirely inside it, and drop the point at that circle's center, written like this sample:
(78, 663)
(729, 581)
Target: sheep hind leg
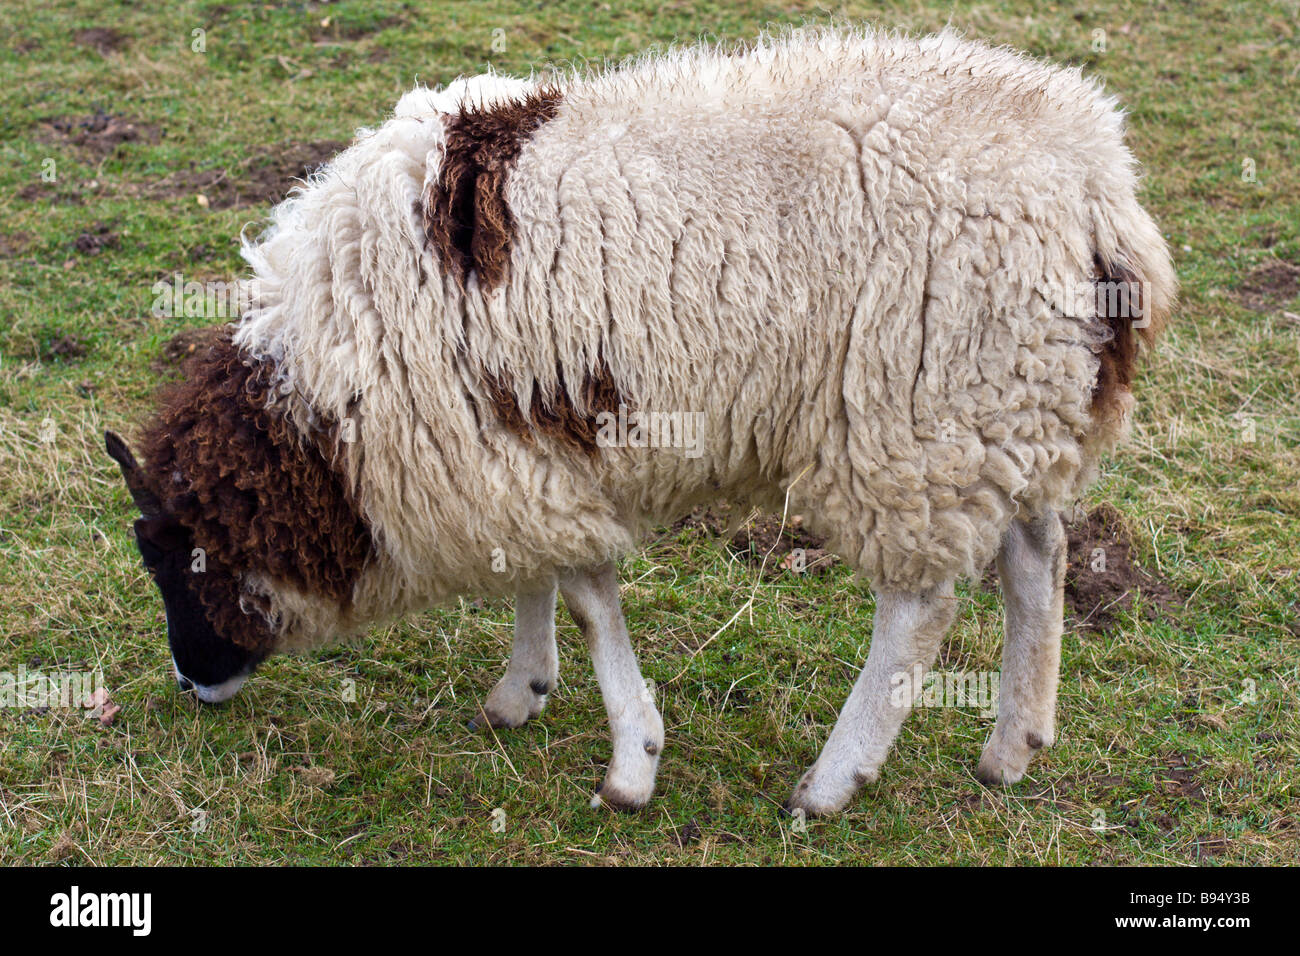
(1031, 568)
(534, 667)
(634, 722)
(906, 634)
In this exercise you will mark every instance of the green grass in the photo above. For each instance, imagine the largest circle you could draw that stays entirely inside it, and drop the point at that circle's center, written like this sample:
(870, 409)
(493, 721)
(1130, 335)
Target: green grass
(1163, 756)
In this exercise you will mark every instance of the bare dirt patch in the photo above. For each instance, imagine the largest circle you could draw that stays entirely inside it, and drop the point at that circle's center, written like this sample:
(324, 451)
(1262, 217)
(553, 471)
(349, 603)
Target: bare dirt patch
(103, 40)
(66, 347)
(712, 520)
(1178, 779)
(265, 177)
(1101, 578)
(1269, 286)
(764, 539)
(13, 245)
(686, 834)
(1209, 844)
(49, 193)
(1174, 776)
(96, 239)
(99, 134)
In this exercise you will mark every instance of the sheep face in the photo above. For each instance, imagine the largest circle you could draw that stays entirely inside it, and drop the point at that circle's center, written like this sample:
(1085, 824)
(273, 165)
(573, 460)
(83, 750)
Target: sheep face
(211, 665)
(205, 662)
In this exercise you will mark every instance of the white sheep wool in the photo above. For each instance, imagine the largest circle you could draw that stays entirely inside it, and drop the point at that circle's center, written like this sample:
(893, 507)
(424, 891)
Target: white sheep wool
(853, 258)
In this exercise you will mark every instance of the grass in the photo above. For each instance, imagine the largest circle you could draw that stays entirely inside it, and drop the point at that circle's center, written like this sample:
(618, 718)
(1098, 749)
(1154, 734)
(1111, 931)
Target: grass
(1179, 739)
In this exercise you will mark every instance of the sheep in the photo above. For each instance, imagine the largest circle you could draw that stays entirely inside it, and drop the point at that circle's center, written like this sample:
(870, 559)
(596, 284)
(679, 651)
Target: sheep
(478, 92)
(869, 267)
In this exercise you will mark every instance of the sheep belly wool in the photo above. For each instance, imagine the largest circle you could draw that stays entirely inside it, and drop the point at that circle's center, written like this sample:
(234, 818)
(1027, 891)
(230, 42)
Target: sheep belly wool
(854, 259)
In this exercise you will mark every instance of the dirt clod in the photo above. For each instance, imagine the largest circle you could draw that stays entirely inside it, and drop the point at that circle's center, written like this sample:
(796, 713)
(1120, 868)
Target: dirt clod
(96, 239)
(1270, 286)
(265, 177)
(100, 133)
(1178, 780)
(182, 345)
(67, 347)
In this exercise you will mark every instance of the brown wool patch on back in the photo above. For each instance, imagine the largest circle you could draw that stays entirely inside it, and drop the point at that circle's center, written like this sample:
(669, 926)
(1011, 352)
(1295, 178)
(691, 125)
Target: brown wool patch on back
(556, 416)
(466, 218)
(254, 495)
(1118, 310)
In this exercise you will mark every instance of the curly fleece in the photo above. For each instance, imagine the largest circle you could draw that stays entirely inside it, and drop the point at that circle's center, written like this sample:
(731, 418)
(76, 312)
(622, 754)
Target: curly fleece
(855, 255)
(257, 495)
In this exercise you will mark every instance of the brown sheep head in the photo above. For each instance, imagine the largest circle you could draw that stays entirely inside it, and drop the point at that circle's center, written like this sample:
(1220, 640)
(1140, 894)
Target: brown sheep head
(205, 662)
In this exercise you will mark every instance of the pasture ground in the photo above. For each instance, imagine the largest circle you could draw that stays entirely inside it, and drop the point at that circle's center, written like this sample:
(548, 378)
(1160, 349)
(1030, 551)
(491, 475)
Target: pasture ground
(1179, 732)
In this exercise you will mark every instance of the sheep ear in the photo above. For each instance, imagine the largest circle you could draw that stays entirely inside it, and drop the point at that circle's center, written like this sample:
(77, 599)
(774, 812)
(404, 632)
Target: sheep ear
(144, 499)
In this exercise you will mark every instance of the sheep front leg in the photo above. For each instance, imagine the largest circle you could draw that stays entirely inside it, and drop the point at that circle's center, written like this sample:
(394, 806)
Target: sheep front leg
(534, 667)
(905, 639)
(1031, 567)
(634, 722)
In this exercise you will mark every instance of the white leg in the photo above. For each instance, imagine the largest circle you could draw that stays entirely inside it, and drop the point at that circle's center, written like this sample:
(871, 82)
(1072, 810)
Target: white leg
(1031, 567)
(907, 632)
(534, 666)
(634, 723)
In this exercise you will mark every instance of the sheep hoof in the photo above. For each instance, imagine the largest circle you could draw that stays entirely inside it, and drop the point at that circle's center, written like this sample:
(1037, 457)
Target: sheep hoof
(630, 780)
(513, 703)
(617, 800)
(490, 717)
(992, 774)
(1007, 755)
(817, 795)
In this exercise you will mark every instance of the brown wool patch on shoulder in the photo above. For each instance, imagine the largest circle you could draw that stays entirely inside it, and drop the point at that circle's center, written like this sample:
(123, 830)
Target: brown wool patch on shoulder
(556, 416)
(466, 218)
(255, 495)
